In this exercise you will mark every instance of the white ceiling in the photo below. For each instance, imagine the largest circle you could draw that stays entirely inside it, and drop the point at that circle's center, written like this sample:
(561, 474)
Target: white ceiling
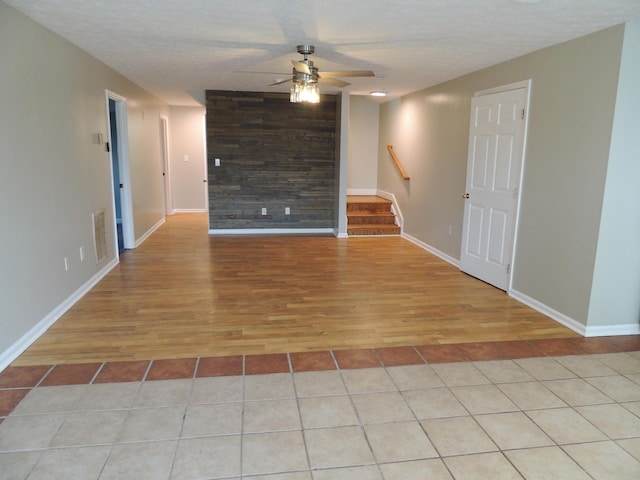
(173, 47)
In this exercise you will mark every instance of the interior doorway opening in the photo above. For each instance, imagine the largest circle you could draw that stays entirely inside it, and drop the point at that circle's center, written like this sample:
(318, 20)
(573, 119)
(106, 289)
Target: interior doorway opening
(120, 178)
(115, 166)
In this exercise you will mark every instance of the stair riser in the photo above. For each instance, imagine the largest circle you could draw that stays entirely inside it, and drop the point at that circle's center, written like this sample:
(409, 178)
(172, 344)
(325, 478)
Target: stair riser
(359, 220)
(373, 231)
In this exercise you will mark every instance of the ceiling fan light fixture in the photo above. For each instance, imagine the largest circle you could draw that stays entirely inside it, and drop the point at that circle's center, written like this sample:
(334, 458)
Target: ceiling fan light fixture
(302, 92)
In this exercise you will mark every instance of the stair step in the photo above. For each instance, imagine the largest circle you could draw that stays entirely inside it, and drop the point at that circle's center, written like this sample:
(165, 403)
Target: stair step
(367, 203)
(373, 229)
(370, 215)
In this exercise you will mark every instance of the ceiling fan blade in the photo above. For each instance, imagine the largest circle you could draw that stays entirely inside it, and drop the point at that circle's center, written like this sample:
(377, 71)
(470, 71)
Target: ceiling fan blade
(280, 82)
(301, 67)
(263, 72)
(349, 73)
(333, 81)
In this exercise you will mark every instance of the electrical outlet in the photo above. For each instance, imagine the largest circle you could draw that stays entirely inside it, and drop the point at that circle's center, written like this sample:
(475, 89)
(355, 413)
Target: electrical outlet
(216, 162)
(287, 211)
(264, 211)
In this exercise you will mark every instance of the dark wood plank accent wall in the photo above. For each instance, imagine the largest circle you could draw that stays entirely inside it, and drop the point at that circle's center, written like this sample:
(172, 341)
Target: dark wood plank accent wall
(273, 154)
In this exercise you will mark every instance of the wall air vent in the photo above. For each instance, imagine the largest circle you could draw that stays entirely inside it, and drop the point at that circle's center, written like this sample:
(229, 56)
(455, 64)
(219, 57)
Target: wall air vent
(99, 236)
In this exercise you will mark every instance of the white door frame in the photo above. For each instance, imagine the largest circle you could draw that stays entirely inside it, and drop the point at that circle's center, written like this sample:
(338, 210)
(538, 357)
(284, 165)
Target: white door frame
(526, 85)
(123, 166)
(205, 166)
(166, 165)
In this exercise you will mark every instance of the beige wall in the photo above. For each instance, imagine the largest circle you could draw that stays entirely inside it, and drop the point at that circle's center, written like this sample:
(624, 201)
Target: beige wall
(362, 173)
(187, 157)
(572, 106)
(428, 132)
(53, 176)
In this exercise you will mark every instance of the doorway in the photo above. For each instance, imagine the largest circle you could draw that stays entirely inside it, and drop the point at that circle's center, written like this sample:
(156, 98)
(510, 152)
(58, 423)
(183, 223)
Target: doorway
(115, 165)
(120, 179)
(497, 134)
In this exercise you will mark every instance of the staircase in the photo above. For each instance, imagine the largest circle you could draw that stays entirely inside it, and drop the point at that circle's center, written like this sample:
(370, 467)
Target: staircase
(370, 215)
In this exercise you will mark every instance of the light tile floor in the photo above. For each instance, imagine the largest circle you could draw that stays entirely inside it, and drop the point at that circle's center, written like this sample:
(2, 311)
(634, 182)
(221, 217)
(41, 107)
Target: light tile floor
(566, 417)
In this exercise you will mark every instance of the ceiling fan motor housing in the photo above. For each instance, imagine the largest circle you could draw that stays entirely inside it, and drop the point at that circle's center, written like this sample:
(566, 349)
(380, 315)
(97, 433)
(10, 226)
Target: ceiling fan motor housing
(301, 77)
(305, 49)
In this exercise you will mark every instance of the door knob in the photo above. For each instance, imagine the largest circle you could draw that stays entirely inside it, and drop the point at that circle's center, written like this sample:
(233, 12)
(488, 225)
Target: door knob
(466, 195)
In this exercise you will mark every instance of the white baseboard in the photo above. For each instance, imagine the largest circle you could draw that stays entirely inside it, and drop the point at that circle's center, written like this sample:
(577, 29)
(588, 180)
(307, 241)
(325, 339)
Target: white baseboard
(576, 326)
(609, 330)
(394, 205)
(430, 249)
(149, 232)
(559, 317)
(271, 231)
(14, 351)
(189, 210)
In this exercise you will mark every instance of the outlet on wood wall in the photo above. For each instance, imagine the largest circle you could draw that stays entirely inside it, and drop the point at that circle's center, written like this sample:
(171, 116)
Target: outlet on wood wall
(272, 154)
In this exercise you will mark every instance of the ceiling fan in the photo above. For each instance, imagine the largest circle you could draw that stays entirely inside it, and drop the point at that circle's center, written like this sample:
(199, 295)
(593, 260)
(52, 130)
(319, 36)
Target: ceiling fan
(306, 76)
(306, 70)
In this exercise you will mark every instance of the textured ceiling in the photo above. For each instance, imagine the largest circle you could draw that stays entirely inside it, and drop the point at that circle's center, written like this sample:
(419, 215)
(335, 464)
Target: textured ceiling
(173, 47)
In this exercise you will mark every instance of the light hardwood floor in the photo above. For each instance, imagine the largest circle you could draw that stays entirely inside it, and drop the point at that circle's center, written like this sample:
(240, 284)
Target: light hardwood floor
(185, 294)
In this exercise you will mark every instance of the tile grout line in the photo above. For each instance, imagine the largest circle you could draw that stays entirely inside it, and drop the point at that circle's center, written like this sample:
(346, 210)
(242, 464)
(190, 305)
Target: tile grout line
(46, 374)
(244, 399)
(184, 414)
(97, 372)
(302, 429)
(146, 372)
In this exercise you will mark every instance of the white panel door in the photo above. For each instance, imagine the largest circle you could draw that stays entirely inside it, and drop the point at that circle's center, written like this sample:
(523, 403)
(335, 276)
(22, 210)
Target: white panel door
(494, 168)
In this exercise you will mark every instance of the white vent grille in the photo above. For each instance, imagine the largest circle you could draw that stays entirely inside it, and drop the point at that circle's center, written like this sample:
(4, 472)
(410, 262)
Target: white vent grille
(99, 236)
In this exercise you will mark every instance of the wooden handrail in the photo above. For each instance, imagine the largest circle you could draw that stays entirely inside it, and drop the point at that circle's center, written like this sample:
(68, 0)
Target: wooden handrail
(397, 162)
